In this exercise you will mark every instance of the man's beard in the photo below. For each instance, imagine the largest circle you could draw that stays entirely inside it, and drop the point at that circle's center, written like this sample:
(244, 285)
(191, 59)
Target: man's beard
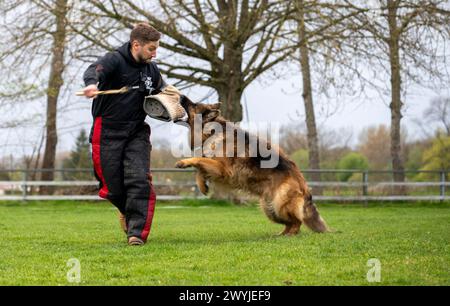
(142, 60)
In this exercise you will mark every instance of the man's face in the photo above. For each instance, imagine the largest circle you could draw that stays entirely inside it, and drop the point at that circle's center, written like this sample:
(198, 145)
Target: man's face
(145, 52)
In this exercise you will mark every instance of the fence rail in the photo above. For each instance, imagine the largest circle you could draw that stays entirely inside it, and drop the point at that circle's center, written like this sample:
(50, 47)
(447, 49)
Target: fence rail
(23, 185)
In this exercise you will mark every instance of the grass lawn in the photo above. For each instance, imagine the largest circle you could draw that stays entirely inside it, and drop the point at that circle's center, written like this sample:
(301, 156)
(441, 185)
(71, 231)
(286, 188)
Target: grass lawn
(205, 243)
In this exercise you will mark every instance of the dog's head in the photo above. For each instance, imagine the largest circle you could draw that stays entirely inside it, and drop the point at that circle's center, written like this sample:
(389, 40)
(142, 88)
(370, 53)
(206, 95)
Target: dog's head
(208, 112)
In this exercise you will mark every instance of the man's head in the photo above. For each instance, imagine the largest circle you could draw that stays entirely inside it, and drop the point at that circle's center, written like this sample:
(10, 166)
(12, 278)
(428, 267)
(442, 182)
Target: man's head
(144, 41)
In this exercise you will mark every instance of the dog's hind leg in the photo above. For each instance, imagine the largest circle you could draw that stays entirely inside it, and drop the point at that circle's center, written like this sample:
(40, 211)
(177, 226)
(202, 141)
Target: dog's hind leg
(291, 229)
(293, 225)
(295, 229)
(285, 231)
(284, 206)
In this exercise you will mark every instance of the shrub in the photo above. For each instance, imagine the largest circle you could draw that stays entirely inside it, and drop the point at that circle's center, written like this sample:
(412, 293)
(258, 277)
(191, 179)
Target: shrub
(351, 161)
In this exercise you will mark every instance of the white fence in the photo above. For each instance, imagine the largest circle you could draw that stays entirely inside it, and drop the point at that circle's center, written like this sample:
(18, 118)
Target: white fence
(366, 189)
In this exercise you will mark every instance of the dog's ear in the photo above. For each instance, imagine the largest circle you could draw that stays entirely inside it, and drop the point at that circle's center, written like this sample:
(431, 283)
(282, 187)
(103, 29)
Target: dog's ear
(308, 198)
(211, 115)
(216, 105)
(185, 102)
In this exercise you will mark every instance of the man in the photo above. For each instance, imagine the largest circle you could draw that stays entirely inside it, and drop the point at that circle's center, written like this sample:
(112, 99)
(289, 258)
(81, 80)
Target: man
(119, 136)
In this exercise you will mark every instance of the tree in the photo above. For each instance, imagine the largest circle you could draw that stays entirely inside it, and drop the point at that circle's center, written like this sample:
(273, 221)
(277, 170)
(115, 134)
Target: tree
(374, 145)
(320, 27)
(4, 175)
(59, 10)
(36, 33)
(404, 37)
(313, 141)
(351, 161)
(301, 157)
(437, 158)
(414, 153)
(334, 144)
(222, 44)
(80, 158)
(293, 138)
(439, 112)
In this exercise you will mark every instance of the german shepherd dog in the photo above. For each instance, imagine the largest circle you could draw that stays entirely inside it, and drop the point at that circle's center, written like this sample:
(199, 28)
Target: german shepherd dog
(282, 190)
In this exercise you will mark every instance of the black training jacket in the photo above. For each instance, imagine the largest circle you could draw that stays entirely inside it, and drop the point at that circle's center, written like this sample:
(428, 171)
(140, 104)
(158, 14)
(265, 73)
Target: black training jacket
(118, 69)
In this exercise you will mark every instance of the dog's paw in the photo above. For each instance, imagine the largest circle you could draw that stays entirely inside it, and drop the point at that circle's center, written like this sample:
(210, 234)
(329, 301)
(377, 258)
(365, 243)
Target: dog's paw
(181, 164)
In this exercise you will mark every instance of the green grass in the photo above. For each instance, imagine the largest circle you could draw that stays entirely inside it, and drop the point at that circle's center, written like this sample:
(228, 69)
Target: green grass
(204, 243)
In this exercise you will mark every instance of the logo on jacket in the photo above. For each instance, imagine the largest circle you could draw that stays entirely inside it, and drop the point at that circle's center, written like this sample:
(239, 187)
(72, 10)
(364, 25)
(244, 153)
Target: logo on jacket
(148, 83)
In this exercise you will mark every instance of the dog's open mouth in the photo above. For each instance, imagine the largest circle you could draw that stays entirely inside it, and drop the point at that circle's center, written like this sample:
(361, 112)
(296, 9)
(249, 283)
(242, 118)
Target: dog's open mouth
(182, 119)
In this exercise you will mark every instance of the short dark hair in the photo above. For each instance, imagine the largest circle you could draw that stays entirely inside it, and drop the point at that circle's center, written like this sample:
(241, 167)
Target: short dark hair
(144, 33)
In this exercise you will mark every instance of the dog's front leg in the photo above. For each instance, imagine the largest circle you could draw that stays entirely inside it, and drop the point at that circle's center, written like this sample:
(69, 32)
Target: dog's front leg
(201, 183)
(209, 167)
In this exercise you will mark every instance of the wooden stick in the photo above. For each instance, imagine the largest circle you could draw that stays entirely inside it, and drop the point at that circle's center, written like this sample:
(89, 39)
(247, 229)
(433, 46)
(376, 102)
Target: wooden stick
(106, 92)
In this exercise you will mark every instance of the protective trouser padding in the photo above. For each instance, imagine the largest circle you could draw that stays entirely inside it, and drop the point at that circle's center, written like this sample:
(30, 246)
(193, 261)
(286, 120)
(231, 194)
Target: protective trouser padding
(121, 155)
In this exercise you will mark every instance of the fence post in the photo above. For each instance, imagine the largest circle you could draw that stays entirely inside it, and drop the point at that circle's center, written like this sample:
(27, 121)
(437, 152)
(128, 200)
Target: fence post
(365, 179)
(442, 193)
(24, 185)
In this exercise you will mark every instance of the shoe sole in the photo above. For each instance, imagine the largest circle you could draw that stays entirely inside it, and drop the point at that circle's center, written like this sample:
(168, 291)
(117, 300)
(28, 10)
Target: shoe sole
(136, 242)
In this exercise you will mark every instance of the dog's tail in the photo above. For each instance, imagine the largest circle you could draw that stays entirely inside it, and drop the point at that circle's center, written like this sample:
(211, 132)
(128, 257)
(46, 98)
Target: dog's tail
(309, 215)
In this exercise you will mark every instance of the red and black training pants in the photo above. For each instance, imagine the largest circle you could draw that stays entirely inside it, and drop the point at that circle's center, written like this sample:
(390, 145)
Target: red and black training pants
(121, 157)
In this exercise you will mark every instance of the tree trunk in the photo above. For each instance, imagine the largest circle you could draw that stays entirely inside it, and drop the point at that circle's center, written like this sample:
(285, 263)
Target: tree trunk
(230, 97)
(54, 86)
(230, 87)
(231, 90)
(396, 103)
(313, 141)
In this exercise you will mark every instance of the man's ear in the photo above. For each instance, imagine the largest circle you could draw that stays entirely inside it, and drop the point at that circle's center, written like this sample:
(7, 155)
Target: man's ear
(134, 44)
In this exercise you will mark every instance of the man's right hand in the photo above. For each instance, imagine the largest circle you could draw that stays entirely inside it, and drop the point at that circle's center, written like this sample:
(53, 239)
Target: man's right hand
(90, 91)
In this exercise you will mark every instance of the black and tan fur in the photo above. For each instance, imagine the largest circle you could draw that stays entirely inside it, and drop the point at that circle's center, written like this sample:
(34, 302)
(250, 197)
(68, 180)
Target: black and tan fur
(283, 192)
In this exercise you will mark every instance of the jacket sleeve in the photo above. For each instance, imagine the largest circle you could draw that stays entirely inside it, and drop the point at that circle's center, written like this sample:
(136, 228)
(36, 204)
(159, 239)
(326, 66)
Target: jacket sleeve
(100, 70)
